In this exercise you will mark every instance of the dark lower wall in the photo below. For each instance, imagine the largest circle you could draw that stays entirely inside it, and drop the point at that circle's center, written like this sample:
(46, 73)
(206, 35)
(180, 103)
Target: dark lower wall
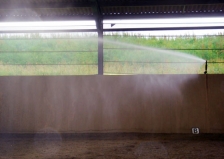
(142, 103)
(216, 103)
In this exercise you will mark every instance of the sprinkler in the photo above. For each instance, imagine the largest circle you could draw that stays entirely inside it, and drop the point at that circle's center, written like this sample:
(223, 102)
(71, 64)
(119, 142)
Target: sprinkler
(206, 66)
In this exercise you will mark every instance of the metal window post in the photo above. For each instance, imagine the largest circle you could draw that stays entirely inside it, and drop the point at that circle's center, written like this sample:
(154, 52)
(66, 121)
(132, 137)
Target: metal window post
(99, 26)
(100, 46)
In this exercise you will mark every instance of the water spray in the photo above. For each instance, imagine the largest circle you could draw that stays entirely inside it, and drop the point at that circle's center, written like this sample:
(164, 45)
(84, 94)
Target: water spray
(206, 66)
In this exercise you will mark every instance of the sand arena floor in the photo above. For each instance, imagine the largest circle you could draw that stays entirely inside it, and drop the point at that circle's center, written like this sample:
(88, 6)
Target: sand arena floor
(111, 146)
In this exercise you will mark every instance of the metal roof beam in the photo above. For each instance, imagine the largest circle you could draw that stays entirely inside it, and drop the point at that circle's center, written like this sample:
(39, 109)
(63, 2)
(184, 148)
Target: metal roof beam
(154, 2)
(115, 29)
(48, 31)
(165, 28)
(155, 16)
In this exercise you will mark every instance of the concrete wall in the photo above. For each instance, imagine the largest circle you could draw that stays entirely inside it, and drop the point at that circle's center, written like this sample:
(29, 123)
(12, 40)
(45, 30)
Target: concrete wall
(143, 103)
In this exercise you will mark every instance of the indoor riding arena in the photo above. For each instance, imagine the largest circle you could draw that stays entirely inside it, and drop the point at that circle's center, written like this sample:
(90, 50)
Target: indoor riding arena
(111, 79)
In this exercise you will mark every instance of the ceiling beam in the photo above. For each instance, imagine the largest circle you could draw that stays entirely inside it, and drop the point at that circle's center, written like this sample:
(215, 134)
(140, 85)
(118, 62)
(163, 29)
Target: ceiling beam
(154, 2)
(48, 31)
(115, 29)
(164, 28)
(155, 16)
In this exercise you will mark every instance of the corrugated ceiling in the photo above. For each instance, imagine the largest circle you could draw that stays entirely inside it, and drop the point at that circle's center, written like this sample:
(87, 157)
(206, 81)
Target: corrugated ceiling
(25, 10)
(166, 9)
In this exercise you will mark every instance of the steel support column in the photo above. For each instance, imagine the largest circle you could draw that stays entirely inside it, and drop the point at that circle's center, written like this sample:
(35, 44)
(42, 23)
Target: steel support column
(99, 26)
(100, 47)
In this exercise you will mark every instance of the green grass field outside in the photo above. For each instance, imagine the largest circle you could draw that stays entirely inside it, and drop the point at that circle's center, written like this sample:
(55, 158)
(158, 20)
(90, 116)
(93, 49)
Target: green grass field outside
(76, 54)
